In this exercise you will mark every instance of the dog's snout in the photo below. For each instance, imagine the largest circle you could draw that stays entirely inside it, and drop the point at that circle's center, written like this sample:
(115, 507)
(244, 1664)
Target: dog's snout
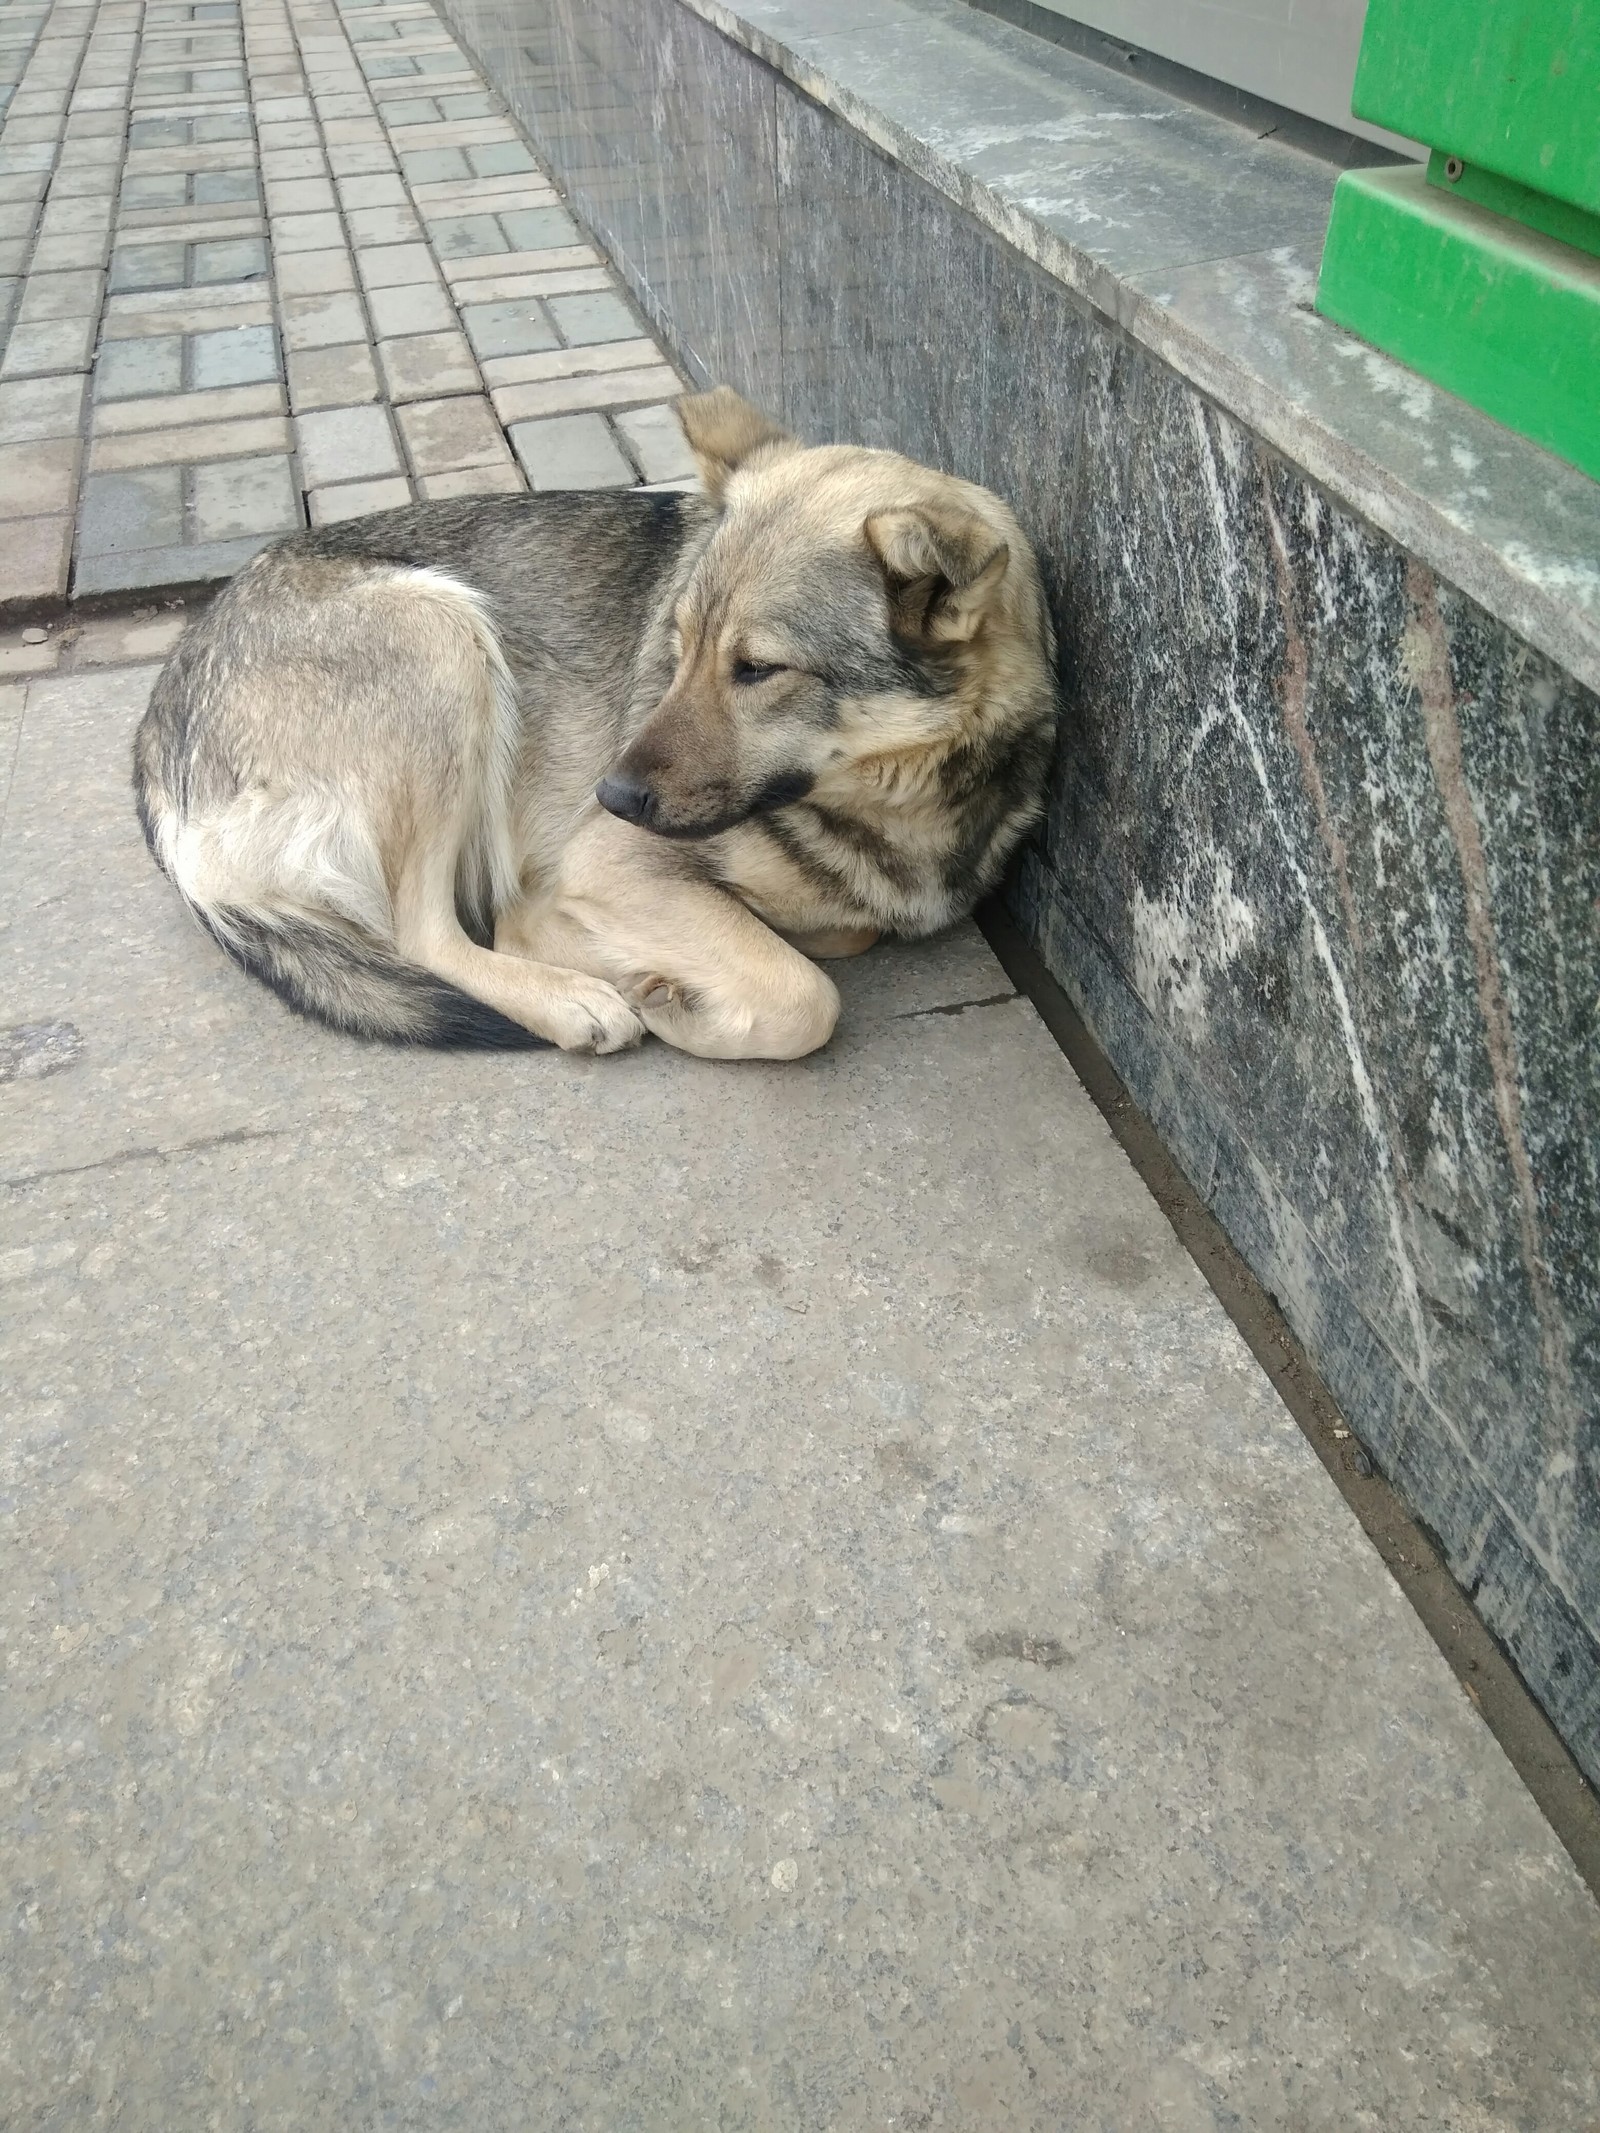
(628, 798)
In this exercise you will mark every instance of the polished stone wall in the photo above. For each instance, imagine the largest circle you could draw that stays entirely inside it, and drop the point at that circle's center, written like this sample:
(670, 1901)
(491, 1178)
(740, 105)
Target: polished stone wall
(1321, 868)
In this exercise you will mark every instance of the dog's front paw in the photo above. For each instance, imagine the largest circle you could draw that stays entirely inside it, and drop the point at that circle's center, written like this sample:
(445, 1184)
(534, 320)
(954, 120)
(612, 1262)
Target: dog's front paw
(592, 1016)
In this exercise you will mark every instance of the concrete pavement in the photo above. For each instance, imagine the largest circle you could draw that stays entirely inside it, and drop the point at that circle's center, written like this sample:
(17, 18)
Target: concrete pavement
(639, 1594)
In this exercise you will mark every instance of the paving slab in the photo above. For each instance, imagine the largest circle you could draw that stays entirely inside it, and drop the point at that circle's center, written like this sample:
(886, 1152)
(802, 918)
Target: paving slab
(644, 1594)
(409, 230)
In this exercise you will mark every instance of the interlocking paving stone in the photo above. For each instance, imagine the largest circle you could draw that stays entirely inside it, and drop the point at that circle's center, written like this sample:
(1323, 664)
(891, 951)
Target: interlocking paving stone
(357, 499)
(133, 369)
(506, 480)
(443, 203)
(315, 273)
(508, 329)
(430, 363)
(140, 508)
(622, 388)
(599, 317)
(40, 407)
(299, 196)
(510, 288)
(371, 189)
(416, 307)
(467, 236)
(493, 159)
(346, 444)
(422, 164)
(571, 452)
(149, 266)
(654, 437)
(85, 248)
(239, 496)
(306, 233)
(186, 310)
(186, 563)
(597, 358)
(351, 133)
(48, 346)
(442, 435)
(378, 160)
(534, 229)
(39, 480)
(391, 266)
(90, 211)
(233, 355)
(241, 260)
(213, 187)
(290, 163)
(189, 225)
(115, 418)
(206, 440)
(155, 189)
(35, 554)
(546, 259)
(322, 321)
(332, 377)
(382, 225)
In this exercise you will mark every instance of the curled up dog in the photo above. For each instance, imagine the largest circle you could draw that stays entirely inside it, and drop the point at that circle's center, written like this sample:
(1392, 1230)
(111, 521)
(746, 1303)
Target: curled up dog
(566, 768)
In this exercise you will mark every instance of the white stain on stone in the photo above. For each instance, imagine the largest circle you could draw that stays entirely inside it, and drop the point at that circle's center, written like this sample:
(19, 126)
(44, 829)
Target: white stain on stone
(1575, 578)
(1391, 378)
(1180, 943)
(785, 1876)
(30, 1259)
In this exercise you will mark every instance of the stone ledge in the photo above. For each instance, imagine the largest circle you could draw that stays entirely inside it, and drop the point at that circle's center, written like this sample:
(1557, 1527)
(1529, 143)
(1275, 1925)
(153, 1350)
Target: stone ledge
(1202, 243)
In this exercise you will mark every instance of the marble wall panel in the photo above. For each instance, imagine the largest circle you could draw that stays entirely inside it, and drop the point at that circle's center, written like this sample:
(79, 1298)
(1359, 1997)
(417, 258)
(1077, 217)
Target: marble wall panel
(1321, 866)
(1337, 829)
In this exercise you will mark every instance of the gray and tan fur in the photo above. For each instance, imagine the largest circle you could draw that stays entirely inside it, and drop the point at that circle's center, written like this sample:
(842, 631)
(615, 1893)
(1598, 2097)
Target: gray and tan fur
(566, 768)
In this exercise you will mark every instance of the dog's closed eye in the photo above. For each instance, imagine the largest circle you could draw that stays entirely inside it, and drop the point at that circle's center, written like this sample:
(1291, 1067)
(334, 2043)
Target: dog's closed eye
(747, 673)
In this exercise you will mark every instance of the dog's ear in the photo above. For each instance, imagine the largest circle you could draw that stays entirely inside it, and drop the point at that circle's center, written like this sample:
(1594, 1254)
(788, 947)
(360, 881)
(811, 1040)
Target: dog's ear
(723, 432)
(943, 567)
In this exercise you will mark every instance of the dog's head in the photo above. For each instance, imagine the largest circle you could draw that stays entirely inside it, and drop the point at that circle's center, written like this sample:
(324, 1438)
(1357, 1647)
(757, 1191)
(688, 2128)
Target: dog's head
(847, 614)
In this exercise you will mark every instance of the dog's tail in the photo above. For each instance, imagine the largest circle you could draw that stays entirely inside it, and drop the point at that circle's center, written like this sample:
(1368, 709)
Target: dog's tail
(323, 952)
(359, 985)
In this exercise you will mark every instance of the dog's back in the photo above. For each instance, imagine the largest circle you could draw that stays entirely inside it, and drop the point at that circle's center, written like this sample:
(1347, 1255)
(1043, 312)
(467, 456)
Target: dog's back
(318, 676)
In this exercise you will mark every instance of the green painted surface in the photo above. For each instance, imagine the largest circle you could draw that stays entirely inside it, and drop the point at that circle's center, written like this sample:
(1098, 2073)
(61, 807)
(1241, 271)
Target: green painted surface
(1511, 85)
(1504, 196)
(1489, 310)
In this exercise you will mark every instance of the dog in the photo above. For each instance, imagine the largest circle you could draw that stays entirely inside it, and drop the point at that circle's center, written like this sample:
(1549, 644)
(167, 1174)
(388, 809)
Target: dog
(565, 768)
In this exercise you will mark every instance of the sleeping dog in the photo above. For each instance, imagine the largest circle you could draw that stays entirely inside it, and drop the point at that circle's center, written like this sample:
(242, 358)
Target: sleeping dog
(566, 768)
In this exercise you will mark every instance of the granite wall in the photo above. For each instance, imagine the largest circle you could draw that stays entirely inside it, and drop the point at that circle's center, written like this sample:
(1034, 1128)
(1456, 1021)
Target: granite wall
(1321, 869)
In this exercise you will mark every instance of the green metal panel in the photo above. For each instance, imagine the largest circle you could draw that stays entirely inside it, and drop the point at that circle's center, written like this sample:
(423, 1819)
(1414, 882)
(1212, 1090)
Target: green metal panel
(1513, 85)
(1487, 309)
(1504, 196)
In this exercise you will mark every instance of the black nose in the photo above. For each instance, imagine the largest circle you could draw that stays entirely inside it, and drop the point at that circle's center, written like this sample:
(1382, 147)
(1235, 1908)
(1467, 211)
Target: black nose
(625, 796)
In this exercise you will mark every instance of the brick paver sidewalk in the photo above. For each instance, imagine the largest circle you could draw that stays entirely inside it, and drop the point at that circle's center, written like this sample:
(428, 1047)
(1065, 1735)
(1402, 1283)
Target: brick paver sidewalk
(271, 259)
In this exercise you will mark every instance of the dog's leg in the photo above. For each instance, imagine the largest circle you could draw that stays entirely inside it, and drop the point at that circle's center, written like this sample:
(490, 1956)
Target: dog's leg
(702, 971)
(575, 1009)
(837, 944)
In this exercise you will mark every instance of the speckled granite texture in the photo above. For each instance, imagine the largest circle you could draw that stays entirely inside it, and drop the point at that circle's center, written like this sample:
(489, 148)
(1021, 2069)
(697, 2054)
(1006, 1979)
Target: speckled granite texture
(642, 1596)
(1322, 863)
